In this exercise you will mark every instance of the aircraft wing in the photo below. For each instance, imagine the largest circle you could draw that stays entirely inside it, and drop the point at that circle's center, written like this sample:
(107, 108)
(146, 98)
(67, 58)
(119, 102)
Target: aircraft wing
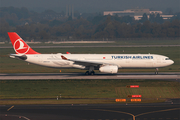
(83, 62)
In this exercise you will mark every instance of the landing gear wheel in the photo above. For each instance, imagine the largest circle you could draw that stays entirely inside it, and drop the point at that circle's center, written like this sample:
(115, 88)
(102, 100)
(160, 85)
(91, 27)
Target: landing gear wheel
(92, 73)
(87, 73)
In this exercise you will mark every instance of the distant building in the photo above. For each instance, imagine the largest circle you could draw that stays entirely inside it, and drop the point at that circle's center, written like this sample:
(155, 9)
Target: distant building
(70, 11)
(130, 12)
(136, 13)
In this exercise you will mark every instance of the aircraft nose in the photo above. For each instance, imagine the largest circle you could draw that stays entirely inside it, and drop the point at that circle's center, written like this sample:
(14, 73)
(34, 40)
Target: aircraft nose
(171, 62)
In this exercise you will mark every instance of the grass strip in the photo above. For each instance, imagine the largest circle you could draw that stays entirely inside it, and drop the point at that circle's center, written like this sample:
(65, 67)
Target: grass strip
(74, 101)
(17, 89)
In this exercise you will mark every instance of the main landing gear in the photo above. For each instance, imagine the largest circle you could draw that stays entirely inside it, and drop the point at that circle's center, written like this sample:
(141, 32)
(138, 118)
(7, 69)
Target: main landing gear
(156, 72)
(89, 73)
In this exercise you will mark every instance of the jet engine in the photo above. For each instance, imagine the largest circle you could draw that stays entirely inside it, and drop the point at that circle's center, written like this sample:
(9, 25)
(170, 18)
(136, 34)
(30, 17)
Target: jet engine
(109, 69)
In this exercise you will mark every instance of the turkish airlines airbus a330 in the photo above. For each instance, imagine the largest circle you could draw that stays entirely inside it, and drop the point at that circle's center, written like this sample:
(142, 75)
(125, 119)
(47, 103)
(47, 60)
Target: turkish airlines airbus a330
(107, 63)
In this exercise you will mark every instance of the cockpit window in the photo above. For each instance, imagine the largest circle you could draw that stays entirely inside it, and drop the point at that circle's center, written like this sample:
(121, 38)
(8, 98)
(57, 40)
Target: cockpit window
(167, 59)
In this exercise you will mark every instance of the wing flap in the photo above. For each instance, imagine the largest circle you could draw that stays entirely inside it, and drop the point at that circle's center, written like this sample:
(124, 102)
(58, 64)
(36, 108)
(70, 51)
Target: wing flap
(86, 63)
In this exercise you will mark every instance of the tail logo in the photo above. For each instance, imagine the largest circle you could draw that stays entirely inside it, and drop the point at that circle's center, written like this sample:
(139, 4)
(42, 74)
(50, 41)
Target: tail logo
(20, 47)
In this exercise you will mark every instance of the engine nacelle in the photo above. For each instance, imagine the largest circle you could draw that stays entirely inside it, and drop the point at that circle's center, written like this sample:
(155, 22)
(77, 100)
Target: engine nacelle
(109, 69)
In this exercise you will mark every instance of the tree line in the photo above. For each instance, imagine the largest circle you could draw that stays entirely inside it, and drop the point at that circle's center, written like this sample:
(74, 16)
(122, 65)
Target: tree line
(50, 25)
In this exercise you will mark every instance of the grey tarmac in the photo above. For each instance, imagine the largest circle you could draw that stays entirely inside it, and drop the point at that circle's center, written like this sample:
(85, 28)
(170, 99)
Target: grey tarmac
(153, 111)
(174, 76)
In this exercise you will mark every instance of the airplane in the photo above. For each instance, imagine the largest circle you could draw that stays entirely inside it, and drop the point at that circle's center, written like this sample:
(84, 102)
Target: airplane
(106, 63)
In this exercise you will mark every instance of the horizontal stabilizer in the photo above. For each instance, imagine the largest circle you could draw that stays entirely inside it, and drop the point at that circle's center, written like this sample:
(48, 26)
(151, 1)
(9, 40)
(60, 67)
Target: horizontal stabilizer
(22, 57)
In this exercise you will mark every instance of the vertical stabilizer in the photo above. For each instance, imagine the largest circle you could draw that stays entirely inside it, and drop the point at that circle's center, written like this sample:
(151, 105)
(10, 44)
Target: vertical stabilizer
(19, 45)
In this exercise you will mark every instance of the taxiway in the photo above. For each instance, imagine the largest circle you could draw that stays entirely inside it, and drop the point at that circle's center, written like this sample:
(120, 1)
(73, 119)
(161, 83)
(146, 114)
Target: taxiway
(154, 111)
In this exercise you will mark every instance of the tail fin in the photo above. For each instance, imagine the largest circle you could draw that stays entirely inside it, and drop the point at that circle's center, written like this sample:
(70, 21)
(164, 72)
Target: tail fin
(19, 45)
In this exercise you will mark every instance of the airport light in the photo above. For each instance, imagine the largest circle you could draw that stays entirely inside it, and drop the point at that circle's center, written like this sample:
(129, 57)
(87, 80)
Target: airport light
(135, 100)
(57, 97)
(120, 100)
(134, 96)
(132, 86)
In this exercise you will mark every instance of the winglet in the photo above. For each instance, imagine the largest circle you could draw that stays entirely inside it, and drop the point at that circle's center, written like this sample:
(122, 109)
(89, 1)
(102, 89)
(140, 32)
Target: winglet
(68, 53)
(64, 58)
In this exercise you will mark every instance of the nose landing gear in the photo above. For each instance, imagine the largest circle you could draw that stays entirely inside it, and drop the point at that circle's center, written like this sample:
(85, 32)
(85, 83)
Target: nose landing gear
(156, 72)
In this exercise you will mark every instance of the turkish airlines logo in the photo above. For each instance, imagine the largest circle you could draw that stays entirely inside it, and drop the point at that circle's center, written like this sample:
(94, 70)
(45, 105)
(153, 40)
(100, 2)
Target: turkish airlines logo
(20, 47)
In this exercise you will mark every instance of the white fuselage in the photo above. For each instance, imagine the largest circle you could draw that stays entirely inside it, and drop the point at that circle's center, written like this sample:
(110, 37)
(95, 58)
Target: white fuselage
(120, 60)
(107, 63)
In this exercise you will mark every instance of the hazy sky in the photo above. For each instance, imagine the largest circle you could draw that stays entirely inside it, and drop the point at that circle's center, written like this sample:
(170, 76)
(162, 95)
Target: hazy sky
(92, 5)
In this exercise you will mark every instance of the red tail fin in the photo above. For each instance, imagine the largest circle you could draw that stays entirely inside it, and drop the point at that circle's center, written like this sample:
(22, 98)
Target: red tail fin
(19, 45)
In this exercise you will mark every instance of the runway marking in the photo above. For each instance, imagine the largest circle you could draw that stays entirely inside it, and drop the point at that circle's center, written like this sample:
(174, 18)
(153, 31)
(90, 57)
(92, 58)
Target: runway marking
(115, 111)
(157, 111)
(25, 117)
(134, 116)
(10, 108)
(17, 116)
